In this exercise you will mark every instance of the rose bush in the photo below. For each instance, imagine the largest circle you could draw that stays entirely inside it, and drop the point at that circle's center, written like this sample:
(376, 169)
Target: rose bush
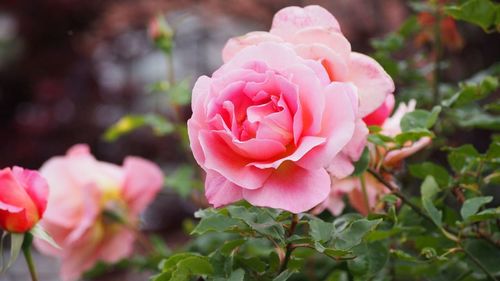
(387, 157)
(283, 111)
(23, 199)
(94, 208)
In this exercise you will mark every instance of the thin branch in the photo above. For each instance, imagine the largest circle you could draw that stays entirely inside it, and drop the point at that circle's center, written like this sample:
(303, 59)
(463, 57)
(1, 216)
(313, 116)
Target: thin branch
(289, 246)
(479, 264)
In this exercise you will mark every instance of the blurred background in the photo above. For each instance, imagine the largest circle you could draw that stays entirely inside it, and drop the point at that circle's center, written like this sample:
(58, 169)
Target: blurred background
(71, 68)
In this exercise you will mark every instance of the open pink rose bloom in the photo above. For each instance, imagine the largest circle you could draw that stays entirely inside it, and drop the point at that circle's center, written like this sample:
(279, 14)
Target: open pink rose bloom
(285, 112)
(94, 207)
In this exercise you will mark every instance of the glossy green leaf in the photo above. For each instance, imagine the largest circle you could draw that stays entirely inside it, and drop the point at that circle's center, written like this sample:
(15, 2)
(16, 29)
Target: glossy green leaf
(419, 119)
(461, 158)
(471, 206)
(362, 164)
(440, 174)
(484, 13)
(470, 92)
(283, 276)
(321, 231)
(429, 189)
(129, 123)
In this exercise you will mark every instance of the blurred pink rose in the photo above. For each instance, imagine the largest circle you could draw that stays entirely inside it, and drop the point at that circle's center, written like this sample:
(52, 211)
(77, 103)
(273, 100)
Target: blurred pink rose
(23, 199)
(315, 34)
(375, 190)
(267, 124)
(84, 192)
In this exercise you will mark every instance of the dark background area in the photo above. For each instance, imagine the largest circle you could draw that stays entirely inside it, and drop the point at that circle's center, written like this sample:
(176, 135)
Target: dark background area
(70, 68)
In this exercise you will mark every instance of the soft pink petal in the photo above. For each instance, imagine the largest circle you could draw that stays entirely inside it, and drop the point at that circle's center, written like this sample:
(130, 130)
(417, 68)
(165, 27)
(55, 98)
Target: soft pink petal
(117, 245)
(291, 19)
(394, 157)
(35, 185)
(341, 166)
(373, 83)
(219, 191)
(143, 180)
(235, 44)
(291, 188)
(305, 145)
(381, 114)
(356, 145)
(253, 149)
(336, 42)
(222, 159)
(337, 125)
(333, 63)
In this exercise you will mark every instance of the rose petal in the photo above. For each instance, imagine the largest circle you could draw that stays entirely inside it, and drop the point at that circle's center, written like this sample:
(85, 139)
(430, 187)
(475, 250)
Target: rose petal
(235, 44)
(373, 83)
(291, 188)
(219, 191)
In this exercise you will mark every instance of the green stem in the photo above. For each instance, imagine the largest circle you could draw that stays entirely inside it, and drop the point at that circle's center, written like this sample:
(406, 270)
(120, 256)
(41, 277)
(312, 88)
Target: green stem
(365, 193)
(29, 258)
(289, 246)
(437, 53)
(479, 264)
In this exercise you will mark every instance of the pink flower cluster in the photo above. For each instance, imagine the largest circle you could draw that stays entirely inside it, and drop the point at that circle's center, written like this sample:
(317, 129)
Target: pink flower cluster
(284, 112)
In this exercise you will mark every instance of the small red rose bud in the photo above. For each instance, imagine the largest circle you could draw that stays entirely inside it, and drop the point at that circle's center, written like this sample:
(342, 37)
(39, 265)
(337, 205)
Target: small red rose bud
(23, 199)
(161, 33)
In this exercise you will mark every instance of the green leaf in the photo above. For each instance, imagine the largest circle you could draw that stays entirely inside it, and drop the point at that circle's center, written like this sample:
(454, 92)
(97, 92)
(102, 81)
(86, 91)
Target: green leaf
(483, 13)
(371, 258)
(260, 220)
(419, 119)
(16, 242)
(461, 158)
(473, 91)
(487, 214)
(180, 93)
(487, 254)
(362, 164)
(184, 265)
(440, 174)
(472, 205)
(412, 135)
(429, 189)
(237, 275)
(230, 246)
(181, 180)
(253, 263)
(215, 222)
(474, 117)
(321, 231)
(129, 123)
(283, 276)
(338, 275)
(353, 235)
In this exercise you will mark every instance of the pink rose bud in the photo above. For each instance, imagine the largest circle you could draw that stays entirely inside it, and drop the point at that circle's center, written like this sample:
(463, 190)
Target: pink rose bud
(161, 34)
(23, 199)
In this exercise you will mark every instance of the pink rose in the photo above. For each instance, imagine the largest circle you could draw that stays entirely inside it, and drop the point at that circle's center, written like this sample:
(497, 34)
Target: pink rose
(381, 114)
(315, 34)
(84, 192)
(267, 124)
(375, 190)
(23, 199)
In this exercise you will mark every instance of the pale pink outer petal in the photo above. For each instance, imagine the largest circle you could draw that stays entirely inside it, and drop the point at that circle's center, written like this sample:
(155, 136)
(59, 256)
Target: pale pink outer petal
(380, 115)
(235, 44)
(357, 144)
(117, 246)
(391, 125)
(277, 56)
(143, 180)
(373, 83)
(293, 18)
(291, 188)
(341, 166)
(394, 157)
(36, 187)
(338, 125)
(219, 191)
(66, 197)
(333, 63)
(336, 42)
